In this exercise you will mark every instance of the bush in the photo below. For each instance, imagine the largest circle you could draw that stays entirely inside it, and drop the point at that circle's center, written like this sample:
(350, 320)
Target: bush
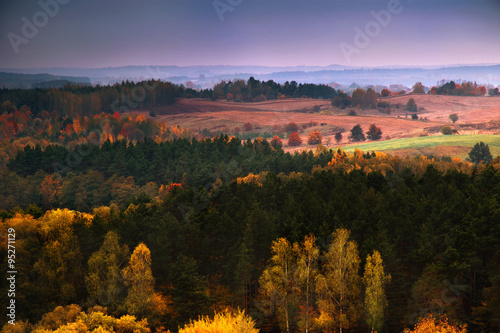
(342, 100)
(224, 322)
(291, 127)
(431, 324)
(152, 114)
(446, 130)
(294, 139)
(351, 112)
(247, 127)
(314, 138)
(383, 104)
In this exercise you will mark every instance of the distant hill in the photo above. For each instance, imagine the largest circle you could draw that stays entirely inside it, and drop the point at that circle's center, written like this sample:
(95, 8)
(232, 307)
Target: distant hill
(207, 76)
(27, 81)
(58, 84)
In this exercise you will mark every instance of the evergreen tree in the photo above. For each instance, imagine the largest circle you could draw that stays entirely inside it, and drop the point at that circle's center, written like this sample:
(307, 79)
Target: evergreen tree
(480, 153)
(338, 137)
(357, 134)
(189, 296)
(411, 105)
(374, 133)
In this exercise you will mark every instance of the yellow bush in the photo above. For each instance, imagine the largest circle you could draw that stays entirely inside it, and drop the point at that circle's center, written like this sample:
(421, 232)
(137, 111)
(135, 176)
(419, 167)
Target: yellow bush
(434, 325)
(225, 322)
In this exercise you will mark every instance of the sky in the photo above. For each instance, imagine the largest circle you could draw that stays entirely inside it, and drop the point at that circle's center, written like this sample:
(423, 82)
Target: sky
(113, 33)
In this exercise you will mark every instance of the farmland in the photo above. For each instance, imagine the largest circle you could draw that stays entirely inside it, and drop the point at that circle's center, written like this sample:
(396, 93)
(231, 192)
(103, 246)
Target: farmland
(477, 116)
(439, 145)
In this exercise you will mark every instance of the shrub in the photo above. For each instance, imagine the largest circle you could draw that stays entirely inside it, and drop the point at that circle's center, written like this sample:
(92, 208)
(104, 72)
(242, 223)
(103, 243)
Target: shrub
(314, 138)
(247, 127)
(342, 100)
(351, 112)
(446, 130)
(294, 139)
(291, 127)
(224, 322)
(431, 324)
(383, 104)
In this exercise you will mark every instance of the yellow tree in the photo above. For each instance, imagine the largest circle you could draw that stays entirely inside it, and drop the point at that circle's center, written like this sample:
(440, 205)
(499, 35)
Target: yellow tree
(141, 298)
(59, 266)
(104, 281)
(277, 279)
(307, 269)
(374, 280)
(339, 285)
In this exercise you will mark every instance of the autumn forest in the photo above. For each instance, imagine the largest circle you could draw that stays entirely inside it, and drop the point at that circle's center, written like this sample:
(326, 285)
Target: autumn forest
(123, 223)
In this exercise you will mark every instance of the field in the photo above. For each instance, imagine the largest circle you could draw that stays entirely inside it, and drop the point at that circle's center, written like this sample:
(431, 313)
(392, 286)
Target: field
(439, 145)
(479, 119)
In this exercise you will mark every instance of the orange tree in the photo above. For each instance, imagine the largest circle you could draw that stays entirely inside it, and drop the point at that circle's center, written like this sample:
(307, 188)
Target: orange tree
(314, 138)
(294, 139)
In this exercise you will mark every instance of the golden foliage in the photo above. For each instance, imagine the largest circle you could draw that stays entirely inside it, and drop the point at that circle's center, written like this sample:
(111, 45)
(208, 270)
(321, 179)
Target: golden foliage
(346, 162)
(97, 322)
(434, 325)
(225, 322)
(251, 178)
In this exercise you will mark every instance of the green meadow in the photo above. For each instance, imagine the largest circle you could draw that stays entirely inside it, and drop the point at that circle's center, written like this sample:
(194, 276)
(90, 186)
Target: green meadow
(422, 145)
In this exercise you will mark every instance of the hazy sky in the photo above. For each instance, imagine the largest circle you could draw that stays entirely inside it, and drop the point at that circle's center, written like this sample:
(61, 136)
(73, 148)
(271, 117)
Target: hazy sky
(102, 33)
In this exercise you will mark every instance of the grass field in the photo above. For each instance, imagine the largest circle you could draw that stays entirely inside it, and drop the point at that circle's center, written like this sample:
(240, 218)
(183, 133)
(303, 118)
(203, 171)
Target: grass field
(439, 145)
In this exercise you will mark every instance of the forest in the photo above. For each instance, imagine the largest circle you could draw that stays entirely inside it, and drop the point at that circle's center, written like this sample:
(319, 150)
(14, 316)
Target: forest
(123, 224)
(432, 226)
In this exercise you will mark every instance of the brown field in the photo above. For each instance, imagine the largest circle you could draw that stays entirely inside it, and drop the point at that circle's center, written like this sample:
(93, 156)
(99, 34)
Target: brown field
(476, 115)
(470, 110)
